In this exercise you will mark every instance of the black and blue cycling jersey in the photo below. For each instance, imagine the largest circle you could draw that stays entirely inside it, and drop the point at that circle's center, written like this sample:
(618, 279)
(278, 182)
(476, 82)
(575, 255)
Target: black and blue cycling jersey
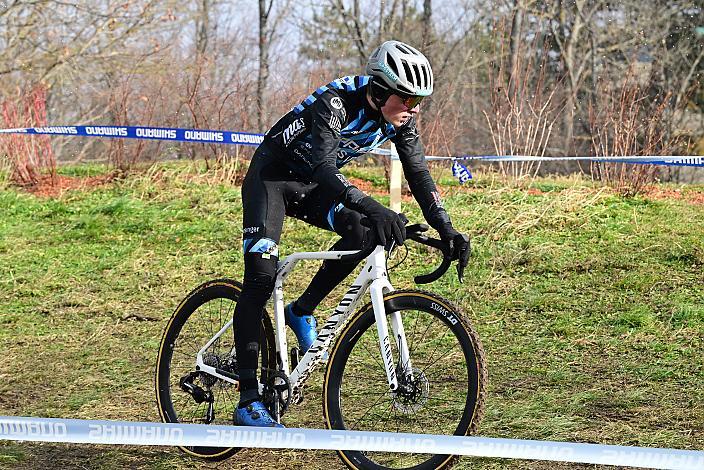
(363, 132)
(336, 124)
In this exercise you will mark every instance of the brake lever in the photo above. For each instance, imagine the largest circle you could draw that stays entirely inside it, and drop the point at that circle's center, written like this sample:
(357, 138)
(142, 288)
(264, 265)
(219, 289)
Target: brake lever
(460, 267)
(416, 229)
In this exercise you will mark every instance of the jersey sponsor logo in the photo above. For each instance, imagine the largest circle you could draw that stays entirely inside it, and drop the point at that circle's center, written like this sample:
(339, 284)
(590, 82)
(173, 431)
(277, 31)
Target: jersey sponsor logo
(349, 144)
(411, 134)
(349, 148)
(343, 157)
(385, 68)
(293, 130)
(342, 178)
(363, 144)
(436, 198)
(303, 155)
(336, 102)
(335, 123)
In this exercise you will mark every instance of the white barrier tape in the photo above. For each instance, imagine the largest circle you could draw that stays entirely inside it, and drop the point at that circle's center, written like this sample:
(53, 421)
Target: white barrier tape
(196, 435)
(652, 159)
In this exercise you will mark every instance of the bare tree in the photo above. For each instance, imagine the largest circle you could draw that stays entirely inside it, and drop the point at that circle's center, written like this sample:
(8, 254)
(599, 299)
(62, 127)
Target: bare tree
(519, 9)
(264, 41)
(202, 27)
(352, 22)
(571, 28)
(267, 31)
(427, 23)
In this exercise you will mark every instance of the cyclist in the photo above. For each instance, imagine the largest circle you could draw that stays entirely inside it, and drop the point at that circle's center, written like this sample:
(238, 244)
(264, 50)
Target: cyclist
(295, 172)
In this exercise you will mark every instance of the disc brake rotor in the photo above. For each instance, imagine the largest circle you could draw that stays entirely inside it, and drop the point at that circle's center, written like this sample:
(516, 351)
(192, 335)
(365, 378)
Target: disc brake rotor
(412, 395)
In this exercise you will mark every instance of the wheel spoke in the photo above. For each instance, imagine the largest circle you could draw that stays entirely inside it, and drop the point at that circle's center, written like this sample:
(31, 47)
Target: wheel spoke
(436, 360)
(379, 400)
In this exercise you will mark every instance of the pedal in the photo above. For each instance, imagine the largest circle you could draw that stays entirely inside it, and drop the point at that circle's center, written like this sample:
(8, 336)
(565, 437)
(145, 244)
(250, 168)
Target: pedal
(294, 358)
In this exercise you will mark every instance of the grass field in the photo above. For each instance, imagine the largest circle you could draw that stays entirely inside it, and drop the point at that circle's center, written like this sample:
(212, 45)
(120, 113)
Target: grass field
(590, 308)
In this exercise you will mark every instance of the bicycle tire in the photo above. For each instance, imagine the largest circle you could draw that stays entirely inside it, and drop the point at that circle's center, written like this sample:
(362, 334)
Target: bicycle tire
(219, 290)
(360, 332)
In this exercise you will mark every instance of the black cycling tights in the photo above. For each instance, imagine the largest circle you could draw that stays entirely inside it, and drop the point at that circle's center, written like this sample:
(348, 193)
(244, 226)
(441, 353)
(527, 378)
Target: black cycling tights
(270, 192)
(258, 286)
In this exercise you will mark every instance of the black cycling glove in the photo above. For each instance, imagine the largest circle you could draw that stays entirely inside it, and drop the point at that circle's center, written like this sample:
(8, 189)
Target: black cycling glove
(458, 246)
(386, 224)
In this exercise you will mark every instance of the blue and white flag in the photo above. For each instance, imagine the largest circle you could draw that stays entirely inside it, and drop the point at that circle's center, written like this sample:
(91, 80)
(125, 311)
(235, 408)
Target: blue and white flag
(461, 172)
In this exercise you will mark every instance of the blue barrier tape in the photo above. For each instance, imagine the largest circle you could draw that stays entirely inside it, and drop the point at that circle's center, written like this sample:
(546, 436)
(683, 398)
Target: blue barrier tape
(176, 434)
(152, 133)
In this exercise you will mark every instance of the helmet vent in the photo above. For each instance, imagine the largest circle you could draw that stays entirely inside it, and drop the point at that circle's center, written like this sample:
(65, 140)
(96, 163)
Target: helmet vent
(416, 74)
(403, 49)
(407, 70)
(426, 79)
(392, 63)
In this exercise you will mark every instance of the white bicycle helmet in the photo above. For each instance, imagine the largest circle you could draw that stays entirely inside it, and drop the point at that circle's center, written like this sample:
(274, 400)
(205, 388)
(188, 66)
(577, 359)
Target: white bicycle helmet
(401, 68)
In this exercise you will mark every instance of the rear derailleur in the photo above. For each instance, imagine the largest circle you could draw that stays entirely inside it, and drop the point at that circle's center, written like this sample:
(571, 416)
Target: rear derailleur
(199, 395)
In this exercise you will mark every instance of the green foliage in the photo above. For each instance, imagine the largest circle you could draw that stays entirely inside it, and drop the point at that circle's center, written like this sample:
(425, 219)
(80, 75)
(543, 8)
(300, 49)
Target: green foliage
(84, 169)
(369, 174)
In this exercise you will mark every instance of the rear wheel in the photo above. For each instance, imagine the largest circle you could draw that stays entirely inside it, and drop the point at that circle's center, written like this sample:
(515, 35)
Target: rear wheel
(443, 395)
(194, 322)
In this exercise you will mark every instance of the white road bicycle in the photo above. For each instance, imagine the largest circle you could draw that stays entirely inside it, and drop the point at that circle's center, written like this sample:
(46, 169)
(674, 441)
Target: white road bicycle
(408, 361)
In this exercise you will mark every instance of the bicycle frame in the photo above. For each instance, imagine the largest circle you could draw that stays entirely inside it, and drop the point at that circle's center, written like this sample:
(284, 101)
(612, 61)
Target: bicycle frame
(372, 277)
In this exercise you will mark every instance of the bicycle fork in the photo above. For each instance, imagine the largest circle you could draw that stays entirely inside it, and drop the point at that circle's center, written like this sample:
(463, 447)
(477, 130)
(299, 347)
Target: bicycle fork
(376, 290)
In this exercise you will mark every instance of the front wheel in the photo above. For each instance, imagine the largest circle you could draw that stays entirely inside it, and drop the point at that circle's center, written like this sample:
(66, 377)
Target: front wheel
(443, 395)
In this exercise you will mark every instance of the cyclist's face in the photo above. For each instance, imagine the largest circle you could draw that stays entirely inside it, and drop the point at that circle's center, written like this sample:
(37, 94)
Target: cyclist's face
(397, 112)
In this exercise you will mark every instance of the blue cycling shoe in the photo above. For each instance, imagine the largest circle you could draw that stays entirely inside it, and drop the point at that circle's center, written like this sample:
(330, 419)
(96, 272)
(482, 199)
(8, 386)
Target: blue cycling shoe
(303, 326)
(255, 414)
